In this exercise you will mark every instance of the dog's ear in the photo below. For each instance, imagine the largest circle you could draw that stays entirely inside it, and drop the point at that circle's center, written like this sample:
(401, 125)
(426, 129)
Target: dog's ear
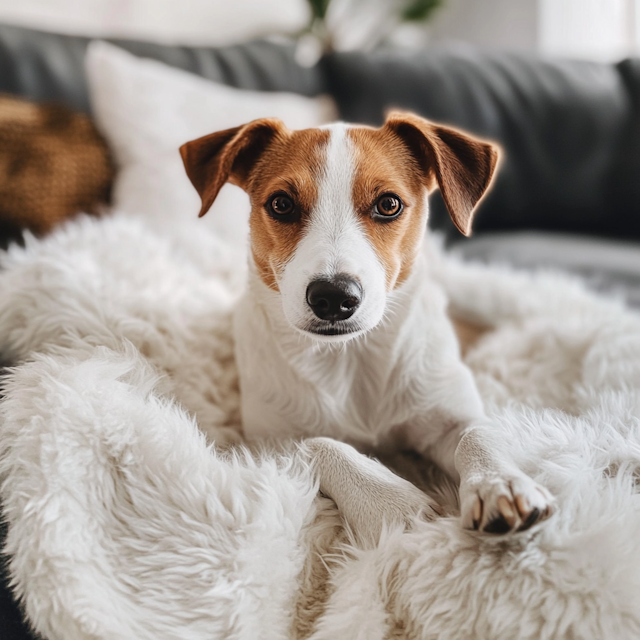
(226, 156)
(460, 165)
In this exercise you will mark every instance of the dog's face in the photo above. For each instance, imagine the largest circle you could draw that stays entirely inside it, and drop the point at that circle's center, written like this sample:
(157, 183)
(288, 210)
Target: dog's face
(338, 213)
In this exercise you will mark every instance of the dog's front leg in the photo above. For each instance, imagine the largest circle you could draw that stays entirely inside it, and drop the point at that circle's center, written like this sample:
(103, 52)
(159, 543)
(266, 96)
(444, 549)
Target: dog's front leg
(495, 495)
(367, 494)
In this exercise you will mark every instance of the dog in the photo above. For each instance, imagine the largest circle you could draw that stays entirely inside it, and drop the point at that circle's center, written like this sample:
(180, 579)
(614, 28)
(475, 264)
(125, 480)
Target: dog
(342, 337)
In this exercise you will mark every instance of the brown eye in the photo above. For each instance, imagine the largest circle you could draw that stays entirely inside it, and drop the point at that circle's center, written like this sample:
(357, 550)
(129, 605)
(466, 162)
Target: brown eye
(388, 205)
(281, 205)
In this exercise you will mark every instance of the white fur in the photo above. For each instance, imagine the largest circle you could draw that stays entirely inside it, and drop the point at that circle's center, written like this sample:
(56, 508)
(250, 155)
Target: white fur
(123, 524)
(334, 243)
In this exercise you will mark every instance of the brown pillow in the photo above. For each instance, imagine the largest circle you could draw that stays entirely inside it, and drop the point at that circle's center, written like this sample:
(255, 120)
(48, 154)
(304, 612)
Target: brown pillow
(53, 164)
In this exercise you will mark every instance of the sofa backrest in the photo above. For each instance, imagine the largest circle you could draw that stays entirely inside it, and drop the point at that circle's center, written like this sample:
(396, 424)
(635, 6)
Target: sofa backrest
(45, 66)
(570, 130)
(563, 126)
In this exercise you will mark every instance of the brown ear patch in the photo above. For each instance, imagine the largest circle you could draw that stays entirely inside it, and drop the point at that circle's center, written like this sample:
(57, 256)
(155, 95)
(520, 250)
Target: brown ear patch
(462, 166)
(226, 156)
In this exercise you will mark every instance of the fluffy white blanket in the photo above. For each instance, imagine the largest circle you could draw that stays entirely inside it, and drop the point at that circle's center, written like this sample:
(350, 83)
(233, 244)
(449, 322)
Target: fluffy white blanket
(126, 521)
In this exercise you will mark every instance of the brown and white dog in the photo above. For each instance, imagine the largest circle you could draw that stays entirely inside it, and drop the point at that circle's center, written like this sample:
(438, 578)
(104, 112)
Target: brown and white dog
(342, 337)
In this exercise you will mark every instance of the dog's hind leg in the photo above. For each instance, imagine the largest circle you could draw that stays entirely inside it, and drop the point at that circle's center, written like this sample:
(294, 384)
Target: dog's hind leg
(368, 495)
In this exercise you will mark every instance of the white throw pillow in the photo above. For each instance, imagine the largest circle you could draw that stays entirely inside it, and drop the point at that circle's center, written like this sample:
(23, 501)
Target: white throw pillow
(147, 109)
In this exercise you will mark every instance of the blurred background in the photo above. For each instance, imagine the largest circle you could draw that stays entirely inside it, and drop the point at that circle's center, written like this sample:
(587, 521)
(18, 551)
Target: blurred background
(604, 30)
(87, 128)
(555, 82)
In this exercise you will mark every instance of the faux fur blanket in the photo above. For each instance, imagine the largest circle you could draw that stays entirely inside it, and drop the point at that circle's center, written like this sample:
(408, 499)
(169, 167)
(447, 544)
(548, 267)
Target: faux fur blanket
(134, 513)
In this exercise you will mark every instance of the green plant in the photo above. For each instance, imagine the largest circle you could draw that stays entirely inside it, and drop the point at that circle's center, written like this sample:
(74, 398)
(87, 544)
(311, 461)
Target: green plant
(409, 10)
(319, 8)
(337, 24)
(416, 11)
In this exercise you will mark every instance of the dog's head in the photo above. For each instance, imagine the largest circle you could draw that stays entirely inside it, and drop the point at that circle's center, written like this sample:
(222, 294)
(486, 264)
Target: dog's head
(338, 213)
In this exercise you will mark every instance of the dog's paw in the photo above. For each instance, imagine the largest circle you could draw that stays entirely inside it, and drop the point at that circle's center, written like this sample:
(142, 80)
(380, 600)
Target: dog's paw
(503, 504)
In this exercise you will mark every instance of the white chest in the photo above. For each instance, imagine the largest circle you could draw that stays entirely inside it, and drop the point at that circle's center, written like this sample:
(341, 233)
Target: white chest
(328, 392)
(358, 391)
(351, 392)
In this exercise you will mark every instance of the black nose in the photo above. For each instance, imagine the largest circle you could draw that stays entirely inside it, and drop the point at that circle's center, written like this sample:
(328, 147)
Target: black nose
(335, 299)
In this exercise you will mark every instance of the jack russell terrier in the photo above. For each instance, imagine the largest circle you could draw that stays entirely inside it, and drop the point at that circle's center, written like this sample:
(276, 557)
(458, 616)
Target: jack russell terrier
(341, 336)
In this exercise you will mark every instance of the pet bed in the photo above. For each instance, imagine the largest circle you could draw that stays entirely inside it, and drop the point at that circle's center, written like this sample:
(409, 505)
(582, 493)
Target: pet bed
(135, 512)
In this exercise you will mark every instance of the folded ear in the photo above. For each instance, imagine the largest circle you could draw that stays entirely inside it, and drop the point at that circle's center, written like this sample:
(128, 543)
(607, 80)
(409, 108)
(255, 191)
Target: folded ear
(460, 165)
(226, 156)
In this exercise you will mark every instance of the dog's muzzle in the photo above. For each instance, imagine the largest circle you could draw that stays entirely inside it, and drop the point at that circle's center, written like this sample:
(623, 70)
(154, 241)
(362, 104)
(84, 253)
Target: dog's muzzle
(335, 299)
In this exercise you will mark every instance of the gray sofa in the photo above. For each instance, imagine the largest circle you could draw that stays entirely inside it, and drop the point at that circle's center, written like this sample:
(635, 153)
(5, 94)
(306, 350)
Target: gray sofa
(570, 131)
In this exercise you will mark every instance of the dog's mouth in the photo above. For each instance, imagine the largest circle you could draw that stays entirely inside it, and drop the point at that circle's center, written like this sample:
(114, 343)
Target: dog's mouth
(332, 331)
(338, 329)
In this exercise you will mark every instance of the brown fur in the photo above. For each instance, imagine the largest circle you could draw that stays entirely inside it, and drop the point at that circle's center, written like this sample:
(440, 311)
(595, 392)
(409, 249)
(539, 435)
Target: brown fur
(293, 164)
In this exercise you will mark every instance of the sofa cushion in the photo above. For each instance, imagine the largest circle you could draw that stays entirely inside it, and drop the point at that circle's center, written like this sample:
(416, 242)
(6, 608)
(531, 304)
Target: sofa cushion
(53, 164)
(147, 109)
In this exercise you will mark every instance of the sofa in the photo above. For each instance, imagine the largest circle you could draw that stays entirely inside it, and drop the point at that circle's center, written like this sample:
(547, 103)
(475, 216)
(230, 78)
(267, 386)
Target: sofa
(567, 194)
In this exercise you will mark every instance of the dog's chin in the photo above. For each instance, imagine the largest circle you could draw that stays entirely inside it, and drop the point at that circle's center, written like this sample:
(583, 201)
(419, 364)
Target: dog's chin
(331, 331)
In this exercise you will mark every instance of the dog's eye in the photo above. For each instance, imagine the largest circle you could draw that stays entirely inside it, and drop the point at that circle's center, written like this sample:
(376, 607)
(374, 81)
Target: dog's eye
(388, 206)
(281, 205)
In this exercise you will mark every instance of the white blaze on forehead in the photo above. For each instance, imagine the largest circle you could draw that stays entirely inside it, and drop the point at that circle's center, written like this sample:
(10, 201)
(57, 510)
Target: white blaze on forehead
(334, 217)
(335, 241)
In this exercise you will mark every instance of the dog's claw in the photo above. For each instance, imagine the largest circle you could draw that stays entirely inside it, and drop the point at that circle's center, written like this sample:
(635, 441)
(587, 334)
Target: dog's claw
(522, 505)
(477, 512)
(507, 511)
(500, 505)
(532, 518)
